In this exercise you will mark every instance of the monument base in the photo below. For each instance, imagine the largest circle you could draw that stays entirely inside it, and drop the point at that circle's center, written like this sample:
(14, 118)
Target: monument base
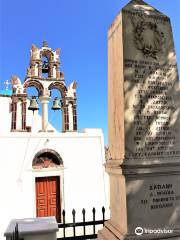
(144, 203)
(111, 233)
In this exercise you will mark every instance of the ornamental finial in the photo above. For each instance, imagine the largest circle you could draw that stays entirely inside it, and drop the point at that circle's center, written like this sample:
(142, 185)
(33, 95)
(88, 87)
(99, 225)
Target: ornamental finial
(45, 44)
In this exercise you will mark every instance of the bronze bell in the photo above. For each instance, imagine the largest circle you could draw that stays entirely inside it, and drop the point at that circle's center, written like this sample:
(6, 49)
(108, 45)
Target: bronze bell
(56, 104)
(33, 104)
(45, 67)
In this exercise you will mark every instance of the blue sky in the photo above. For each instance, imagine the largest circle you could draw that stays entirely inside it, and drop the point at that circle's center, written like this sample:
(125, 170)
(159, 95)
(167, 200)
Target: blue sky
(79, 28)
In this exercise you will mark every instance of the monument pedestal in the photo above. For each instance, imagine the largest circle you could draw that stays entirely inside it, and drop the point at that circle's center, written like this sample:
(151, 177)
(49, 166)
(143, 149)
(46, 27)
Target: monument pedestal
(144, 203)
(110, 233)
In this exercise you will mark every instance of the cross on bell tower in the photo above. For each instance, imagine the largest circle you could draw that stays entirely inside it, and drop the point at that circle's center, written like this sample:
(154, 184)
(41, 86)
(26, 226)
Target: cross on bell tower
(7, 83)
(45, 44)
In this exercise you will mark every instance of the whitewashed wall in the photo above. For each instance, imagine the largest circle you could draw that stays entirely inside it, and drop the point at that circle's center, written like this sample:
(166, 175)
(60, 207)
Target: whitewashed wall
(5, 114)
(84, 184)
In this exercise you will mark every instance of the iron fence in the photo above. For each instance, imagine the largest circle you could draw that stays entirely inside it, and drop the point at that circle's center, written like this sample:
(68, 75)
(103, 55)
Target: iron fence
(84, 224)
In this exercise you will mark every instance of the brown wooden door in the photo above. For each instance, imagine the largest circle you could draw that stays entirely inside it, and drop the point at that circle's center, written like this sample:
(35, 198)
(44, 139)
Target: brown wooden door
(48, 197)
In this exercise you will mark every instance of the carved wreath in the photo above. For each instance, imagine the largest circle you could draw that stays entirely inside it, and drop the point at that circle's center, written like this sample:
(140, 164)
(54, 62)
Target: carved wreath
(156, 45)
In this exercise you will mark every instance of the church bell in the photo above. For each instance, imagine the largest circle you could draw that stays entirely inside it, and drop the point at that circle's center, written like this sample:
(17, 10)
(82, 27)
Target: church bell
(45, 67)
(33, 104)
(56, 104)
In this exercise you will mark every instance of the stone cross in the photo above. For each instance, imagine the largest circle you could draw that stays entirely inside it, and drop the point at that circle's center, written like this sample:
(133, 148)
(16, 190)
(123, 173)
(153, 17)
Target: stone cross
(7, 83)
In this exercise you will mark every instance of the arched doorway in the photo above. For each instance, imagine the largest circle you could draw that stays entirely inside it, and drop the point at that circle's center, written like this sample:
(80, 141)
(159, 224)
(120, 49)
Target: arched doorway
(48, 187)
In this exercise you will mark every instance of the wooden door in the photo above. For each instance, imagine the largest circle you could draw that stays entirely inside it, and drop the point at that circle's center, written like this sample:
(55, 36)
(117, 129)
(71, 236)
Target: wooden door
(48, 197)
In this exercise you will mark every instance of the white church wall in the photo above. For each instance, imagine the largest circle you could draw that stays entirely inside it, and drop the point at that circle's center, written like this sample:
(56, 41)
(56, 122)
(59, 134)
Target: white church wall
(82, 177)
(5, 120)
(82, 180)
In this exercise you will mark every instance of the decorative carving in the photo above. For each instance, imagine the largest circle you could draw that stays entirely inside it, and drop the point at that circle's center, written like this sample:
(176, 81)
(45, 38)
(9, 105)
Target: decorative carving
(29, 72)
(15, 80)
(57, 74)
(74, 85)
(58, 51)
(44, 163)
(71, 93)
(148, 38)
(34, 48)
(47, 158)
(62, 75)
(107, 154)
(16, 84)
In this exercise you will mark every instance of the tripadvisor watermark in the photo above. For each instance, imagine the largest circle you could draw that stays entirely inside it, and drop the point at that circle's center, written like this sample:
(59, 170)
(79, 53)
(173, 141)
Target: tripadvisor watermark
(139, 231)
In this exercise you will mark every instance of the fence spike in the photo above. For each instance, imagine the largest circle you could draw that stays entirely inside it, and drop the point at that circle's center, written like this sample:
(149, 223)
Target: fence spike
(94, 227)
(74, 222)
(83, 211)
(81, 224)
(103, 213)
(64, 220)
(84, 220)
(63, 212)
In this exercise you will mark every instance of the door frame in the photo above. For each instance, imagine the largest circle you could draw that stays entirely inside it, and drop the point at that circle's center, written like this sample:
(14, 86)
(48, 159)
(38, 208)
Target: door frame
(49, 172)
(58, 203)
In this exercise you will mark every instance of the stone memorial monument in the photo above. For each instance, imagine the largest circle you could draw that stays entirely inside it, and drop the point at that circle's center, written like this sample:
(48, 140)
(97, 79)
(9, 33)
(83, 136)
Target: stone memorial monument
(144, 127)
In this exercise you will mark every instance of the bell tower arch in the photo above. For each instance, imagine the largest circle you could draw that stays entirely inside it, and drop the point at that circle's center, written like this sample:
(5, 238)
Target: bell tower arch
(44, 74)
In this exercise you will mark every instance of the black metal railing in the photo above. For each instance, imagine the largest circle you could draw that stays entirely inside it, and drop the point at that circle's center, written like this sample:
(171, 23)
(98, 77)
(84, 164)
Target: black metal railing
(84, 224)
